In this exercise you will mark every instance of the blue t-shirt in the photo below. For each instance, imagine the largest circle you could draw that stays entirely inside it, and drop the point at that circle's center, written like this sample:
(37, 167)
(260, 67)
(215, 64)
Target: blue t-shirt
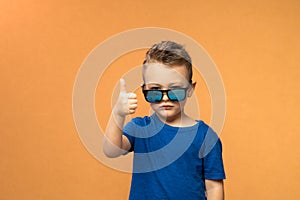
(172, 162)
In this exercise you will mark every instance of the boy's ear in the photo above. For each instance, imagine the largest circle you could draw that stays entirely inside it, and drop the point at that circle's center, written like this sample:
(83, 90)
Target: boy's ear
(191, 90)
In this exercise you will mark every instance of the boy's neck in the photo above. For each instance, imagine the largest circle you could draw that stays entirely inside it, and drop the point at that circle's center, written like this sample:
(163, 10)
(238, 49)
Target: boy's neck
(182, 121)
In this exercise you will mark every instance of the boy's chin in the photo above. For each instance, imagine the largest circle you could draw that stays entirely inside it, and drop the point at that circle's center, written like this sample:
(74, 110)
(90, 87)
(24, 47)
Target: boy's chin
(167, 115)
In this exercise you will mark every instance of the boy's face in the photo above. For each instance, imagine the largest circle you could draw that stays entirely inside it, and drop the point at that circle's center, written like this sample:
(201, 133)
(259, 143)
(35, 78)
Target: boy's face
(161, 77)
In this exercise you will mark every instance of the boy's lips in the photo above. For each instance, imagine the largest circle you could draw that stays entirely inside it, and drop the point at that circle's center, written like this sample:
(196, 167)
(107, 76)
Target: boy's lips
(166, 107)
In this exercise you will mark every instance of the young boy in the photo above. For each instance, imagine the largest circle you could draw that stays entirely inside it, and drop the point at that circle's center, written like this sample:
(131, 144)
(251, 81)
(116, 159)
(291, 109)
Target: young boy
(172, 158)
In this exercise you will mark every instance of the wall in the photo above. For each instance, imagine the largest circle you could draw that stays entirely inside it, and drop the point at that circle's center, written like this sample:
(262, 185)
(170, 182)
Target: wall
(255, 45)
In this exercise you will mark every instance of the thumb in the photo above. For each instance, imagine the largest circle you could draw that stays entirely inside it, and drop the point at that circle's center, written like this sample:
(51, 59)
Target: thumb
(122, 86)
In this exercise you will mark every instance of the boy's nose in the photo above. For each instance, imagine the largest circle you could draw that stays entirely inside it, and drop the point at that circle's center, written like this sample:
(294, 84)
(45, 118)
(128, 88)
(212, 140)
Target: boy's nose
(165, 97)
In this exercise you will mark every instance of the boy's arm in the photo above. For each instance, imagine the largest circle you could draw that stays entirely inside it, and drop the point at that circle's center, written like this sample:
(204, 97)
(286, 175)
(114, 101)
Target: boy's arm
(115, 143)
(214, 189)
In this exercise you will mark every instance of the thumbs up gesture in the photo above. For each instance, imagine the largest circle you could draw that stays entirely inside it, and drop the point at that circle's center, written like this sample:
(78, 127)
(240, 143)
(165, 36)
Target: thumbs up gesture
(127, 102)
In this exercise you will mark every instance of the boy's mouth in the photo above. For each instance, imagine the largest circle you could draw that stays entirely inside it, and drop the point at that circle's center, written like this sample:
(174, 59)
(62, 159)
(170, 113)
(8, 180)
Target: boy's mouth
(166, 107)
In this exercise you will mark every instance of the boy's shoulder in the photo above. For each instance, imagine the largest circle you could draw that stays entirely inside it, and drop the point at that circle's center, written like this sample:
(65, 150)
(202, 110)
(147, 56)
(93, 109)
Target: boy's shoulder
(141, 121)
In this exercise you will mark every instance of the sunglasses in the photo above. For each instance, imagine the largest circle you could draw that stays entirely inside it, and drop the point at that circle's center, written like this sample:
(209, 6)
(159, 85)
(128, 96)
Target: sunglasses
(155, 96)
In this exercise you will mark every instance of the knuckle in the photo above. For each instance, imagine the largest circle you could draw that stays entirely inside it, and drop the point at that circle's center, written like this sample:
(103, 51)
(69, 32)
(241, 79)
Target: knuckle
(131, 95)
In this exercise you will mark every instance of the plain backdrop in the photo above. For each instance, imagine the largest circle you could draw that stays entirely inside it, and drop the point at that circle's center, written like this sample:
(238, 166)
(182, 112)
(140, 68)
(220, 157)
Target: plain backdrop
(255, 45)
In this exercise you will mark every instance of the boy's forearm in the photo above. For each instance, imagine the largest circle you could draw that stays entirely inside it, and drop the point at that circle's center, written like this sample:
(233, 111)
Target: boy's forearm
(112, 146)
(214, 190)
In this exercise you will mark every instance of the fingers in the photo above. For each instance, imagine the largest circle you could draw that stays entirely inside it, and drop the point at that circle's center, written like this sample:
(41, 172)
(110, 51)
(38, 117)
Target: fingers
(131, 95)
(132, 105)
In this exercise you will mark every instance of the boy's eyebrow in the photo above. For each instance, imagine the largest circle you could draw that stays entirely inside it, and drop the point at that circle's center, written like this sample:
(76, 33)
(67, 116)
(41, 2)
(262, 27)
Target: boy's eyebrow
(153, 84)
(176, 83)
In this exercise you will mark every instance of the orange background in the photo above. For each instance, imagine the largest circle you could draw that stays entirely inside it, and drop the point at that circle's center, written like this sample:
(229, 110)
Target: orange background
(255, 45)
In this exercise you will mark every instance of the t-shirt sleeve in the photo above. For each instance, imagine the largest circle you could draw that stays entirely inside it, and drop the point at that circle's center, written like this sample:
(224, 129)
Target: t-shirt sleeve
(213, 167)
(128, 131)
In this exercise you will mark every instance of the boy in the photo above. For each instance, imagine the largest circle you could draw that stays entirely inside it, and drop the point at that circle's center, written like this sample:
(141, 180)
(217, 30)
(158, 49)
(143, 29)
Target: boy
(171, 159)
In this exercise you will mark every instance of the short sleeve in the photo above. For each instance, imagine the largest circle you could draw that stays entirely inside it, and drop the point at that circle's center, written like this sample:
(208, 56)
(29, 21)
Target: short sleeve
(213, 167)
(129, 131)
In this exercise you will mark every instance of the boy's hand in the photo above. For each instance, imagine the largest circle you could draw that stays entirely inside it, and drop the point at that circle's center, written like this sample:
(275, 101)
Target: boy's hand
(126, 103)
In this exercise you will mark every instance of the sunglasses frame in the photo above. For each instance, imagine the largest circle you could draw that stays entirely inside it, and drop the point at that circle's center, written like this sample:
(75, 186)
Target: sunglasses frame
(145, 92)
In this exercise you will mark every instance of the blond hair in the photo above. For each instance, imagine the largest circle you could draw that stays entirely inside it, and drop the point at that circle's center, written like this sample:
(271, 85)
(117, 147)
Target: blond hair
(170, 53)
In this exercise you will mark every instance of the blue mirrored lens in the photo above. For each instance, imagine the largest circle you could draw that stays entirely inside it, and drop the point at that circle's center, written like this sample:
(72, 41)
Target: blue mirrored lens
(176, 94)
(154, 96)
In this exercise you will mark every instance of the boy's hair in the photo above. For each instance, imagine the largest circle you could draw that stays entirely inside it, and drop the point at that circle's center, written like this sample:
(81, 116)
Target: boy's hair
(170, 53)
